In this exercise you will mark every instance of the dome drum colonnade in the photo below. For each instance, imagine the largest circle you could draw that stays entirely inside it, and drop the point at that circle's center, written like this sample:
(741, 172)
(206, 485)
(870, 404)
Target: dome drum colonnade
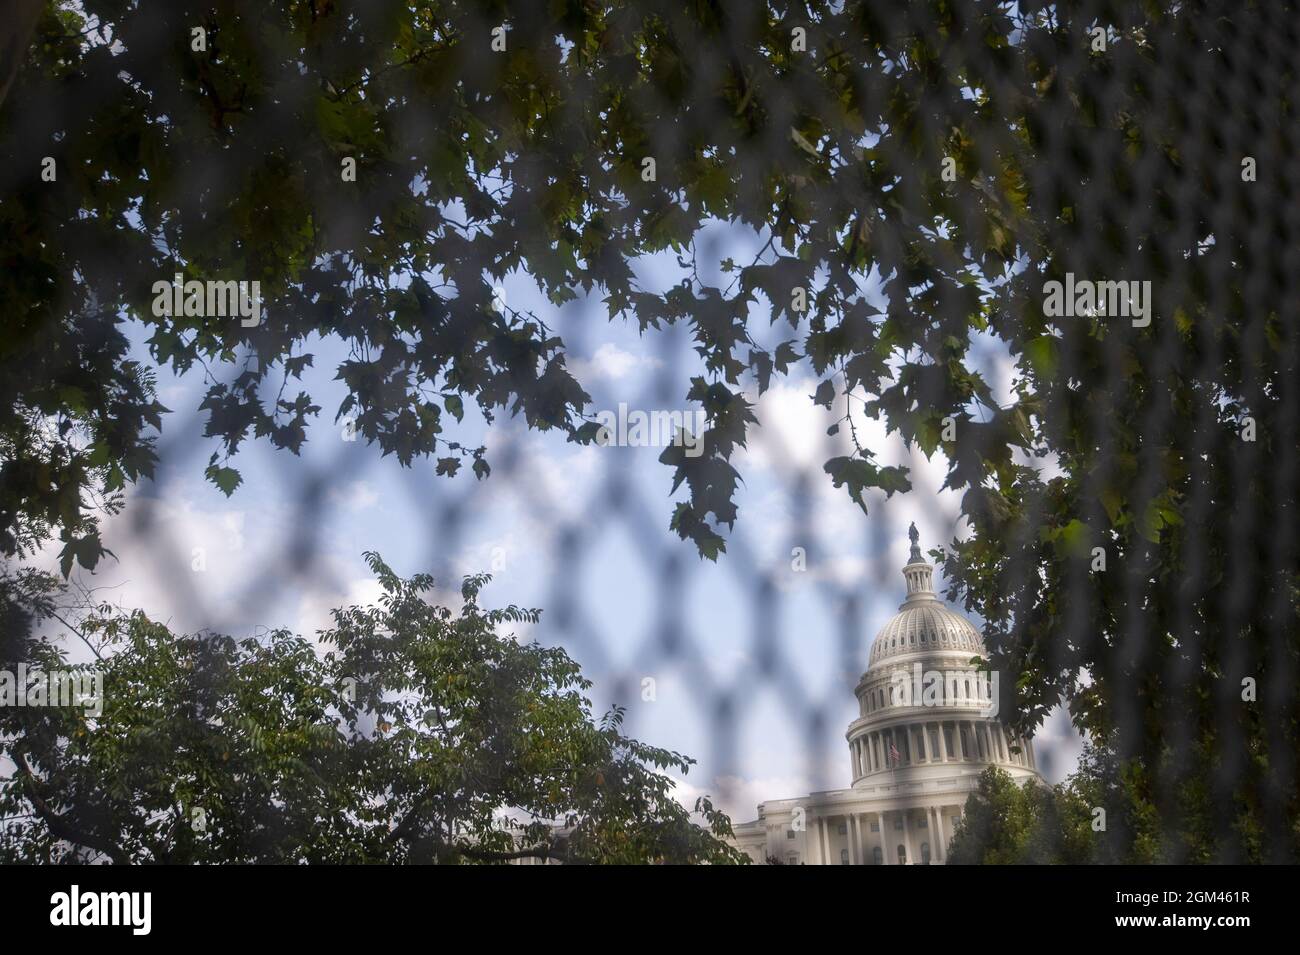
(927, 727)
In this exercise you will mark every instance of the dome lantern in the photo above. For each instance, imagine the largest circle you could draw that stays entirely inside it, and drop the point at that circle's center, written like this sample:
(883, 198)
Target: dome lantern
(918, 573)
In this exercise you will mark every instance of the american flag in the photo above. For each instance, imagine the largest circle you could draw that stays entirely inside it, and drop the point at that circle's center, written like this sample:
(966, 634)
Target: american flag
(894, 756)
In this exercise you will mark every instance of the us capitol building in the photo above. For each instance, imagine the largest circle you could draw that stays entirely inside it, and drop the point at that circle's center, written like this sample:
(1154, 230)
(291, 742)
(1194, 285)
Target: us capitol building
(927, 727)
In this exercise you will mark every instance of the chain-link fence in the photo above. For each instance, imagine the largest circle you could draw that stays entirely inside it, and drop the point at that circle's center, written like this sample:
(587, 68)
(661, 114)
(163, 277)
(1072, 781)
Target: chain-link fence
(1088, 206)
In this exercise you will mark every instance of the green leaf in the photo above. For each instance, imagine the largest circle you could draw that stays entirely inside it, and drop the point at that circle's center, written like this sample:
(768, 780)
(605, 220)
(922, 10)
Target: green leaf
(225, 479)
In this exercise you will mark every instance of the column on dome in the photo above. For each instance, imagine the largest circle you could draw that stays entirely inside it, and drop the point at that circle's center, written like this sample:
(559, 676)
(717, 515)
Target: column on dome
(922, 751)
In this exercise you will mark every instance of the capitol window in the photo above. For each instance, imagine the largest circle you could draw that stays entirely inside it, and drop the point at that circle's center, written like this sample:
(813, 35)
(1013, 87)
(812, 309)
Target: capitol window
(844, 828)
(875, 827)
(877, 857)
(844, 857)
(789, 833)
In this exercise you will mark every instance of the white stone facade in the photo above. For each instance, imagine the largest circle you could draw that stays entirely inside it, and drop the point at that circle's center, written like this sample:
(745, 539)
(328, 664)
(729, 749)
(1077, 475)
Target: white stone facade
(927, 727)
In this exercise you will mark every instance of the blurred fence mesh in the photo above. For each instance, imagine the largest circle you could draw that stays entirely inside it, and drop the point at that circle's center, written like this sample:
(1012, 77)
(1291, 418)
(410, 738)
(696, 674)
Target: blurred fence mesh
(1219, 89)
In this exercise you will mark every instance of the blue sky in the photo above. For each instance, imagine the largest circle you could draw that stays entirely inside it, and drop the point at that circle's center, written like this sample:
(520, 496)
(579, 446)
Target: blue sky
(582, 533)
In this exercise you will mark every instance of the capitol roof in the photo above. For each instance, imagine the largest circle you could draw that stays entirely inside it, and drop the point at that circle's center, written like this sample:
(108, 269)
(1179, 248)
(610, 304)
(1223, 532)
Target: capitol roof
(923, 622)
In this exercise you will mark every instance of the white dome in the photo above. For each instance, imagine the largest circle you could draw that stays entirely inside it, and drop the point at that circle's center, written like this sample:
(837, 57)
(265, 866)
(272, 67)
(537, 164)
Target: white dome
(922, 626)
(923, 622)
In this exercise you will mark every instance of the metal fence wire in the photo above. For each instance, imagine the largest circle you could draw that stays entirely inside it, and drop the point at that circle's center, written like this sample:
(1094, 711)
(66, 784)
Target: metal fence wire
(1149, 142)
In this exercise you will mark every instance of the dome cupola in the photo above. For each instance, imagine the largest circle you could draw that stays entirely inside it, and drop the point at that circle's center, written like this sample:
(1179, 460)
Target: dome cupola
(923, 624)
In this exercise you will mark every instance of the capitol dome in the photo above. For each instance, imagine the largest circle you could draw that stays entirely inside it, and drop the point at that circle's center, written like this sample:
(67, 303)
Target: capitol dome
(929, 723)
(923, 623)
(924, 627)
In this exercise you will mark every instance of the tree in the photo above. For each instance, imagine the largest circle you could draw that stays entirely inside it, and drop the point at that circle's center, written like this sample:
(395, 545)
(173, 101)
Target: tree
(965, 155)
(1103, 813)
(408, 734)
(995, 822)
(210, 141)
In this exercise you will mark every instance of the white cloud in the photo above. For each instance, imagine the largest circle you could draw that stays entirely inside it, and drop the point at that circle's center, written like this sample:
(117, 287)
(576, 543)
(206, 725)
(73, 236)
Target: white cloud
(355, 496)
(182, 562)
(611, 363)
(316, 603)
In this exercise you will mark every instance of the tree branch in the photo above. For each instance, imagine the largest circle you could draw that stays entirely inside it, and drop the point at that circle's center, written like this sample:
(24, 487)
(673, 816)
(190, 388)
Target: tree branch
(17, 23)
(60, 826)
